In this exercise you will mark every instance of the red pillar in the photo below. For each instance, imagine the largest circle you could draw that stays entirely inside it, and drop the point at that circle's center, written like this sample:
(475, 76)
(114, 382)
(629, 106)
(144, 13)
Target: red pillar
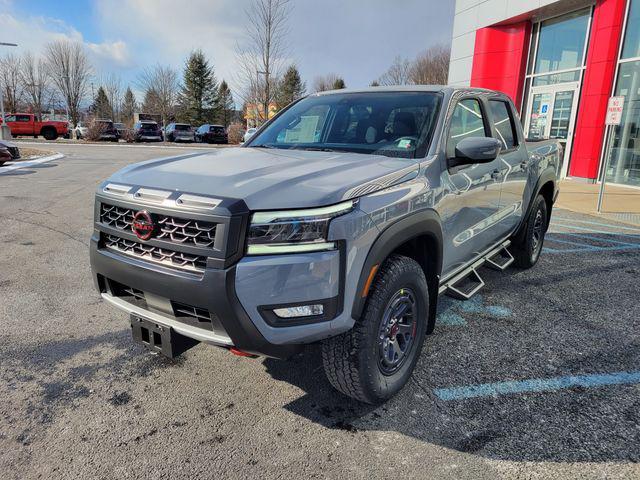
(500, 59)
(602, 61)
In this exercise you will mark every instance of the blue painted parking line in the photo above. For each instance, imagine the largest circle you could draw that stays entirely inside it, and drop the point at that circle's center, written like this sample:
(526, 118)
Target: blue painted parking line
(537, 385)
(591, 230)
(599, 224)
(450, 311)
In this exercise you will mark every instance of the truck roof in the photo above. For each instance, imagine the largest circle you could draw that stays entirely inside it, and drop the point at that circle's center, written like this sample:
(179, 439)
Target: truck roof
(407, 88)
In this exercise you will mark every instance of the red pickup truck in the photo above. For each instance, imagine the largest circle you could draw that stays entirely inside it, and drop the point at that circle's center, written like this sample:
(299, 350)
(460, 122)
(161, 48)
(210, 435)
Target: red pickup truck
(25, 124)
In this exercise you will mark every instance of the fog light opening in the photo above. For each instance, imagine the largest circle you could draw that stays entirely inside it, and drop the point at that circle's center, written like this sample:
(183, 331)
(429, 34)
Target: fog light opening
(300, 311)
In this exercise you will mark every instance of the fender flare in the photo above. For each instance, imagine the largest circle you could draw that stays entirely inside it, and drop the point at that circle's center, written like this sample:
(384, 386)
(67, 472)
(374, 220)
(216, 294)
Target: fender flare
(548, 175)
(425, 222)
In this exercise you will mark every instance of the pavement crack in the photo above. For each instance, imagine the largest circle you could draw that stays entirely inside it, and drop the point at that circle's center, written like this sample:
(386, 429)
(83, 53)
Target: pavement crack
(61, 232)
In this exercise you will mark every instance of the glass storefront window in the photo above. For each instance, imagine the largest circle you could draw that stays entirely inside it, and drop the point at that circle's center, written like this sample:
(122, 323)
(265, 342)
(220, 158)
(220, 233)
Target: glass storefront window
(624, 159)
(562, 41)
(631, 47)
(554, 78)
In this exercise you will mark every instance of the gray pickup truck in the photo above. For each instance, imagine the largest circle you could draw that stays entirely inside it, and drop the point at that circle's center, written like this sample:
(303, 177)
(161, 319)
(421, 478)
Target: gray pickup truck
(340, 221)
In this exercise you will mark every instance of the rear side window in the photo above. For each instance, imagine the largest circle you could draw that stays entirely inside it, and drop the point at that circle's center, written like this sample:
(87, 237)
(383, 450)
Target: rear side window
(467, 121)
(504, 124)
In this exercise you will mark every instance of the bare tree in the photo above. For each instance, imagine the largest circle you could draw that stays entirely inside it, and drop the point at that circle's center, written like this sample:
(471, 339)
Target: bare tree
(399, 73)
(322, 83)
(12, 86)
(35, 80)
(261, 58)
(70, 71)
(113, 88)
(431, 67)
(164, 84)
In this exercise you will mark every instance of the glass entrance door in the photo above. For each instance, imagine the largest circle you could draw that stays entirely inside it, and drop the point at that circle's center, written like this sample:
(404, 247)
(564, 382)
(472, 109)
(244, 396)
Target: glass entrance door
(552, 114)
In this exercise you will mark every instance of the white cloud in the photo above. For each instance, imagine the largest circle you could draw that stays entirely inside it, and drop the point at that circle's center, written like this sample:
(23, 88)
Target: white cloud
(116, 53)
(32, 33)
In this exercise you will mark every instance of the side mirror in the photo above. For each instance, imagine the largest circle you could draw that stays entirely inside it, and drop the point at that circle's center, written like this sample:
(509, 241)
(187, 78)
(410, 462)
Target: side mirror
(476, 150)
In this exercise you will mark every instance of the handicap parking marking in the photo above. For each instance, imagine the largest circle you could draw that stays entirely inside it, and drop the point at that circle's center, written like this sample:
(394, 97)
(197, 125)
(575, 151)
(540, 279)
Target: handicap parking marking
(537, 385)
(450, 311)
(588, 239)
(30, 163)
(599, 224)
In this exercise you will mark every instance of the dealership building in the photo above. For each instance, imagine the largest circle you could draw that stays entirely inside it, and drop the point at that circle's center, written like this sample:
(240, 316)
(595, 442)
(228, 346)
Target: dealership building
(560, 61)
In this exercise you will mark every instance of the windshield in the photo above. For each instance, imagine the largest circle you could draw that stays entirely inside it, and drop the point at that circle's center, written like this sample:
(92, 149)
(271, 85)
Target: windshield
(182, 127)
(148, 126)
(395, 124)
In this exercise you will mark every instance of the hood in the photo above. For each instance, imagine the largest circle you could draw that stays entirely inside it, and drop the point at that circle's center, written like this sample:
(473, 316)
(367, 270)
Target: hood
(270, 179)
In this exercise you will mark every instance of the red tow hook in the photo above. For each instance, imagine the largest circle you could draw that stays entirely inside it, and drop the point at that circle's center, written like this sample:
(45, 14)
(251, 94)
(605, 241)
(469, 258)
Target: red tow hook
(241, 353)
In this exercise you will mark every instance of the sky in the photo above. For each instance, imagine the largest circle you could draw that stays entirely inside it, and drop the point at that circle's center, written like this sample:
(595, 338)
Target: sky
(356, 39)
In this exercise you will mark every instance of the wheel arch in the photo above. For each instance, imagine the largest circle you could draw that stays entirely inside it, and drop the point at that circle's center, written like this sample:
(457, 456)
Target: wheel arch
(547, 186)
(418, 236)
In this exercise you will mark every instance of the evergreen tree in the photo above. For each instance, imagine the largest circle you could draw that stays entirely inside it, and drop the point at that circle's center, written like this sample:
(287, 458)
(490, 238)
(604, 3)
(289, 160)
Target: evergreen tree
(290, 88)
(128, 107)
(199, 96)
(374, 84)
(339, 83)
(151, 102)
(225, 100)
(101, 107)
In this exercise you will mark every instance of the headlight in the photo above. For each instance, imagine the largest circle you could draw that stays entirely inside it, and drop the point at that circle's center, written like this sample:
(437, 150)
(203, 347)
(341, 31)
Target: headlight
(293, 231)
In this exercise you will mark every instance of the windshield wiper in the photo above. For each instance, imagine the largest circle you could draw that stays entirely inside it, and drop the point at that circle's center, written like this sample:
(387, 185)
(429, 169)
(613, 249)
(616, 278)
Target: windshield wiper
(317, 149)
(263, 145)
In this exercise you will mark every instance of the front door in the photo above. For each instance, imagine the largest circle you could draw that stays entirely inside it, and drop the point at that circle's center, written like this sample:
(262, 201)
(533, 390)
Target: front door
(470, 206)
(552, 114)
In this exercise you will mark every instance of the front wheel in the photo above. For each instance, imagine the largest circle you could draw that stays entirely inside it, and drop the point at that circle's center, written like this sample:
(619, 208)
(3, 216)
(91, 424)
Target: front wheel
(526, 247)
(375, 359)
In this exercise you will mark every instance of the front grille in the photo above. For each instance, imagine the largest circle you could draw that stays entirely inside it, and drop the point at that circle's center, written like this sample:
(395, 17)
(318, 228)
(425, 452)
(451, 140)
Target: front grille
(195, 313)
(171, 229)
(159, 255)
(15, 153)
(130, 294)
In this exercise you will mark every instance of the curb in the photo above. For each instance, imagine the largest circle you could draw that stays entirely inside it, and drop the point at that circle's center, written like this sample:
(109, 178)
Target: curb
(29, 163)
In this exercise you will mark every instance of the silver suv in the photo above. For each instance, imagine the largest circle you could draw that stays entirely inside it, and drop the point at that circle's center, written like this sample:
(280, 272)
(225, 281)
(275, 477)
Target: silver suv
(340, 221)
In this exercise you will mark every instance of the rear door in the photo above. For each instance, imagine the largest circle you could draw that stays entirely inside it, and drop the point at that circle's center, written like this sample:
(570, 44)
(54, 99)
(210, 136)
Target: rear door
(514, 164)
(471, 203)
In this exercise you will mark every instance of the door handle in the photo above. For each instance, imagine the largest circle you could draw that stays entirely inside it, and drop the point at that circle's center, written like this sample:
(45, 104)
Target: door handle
(496, 174)
(524, 164)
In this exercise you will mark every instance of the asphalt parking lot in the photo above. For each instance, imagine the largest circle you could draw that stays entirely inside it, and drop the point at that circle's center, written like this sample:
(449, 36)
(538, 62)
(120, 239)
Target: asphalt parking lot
(536, 377)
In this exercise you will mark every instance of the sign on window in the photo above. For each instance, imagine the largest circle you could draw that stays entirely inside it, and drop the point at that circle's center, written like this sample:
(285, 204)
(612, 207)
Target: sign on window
(614, 111)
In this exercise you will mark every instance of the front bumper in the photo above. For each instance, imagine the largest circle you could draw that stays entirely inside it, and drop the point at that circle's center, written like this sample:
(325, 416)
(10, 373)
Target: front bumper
(213, 291)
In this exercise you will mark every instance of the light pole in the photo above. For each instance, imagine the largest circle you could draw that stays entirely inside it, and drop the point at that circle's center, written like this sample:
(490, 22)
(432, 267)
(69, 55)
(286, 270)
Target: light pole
(5, 132)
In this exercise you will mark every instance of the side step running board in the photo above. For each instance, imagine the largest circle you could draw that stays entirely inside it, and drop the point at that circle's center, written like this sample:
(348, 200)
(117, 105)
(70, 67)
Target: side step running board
(466, 287)
(465, 283)
(501, 260)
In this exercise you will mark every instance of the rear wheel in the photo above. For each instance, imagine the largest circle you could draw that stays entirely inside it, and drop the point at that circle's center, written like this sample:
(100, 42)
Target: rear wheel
(49, 133)
(527, 246)
(375, 359)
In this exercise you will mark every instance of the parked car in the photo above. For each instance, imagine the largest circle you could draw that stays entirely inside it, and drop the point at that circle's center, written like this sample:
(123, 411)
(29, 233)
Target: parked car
(248, 134)
(212, 134)
(340, 223)
(25, 124)
(147, 131)
(8, 151)
(80, 131)
(108, 131)
(179, 132)
(121, 129)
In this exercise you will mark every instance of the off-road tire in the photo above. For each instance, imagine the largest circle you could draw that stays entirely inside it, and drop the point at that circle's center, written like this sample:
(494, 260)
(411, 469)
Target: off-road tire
(525, 248)
(351, 360)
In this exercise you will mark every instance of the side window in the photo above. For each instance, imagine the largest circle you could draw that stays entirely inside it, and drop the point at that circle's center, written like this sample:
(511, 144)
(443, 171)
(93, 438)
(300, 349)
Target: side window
(467, 121)
(504, 124)
(10, 118)
(23, 118)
